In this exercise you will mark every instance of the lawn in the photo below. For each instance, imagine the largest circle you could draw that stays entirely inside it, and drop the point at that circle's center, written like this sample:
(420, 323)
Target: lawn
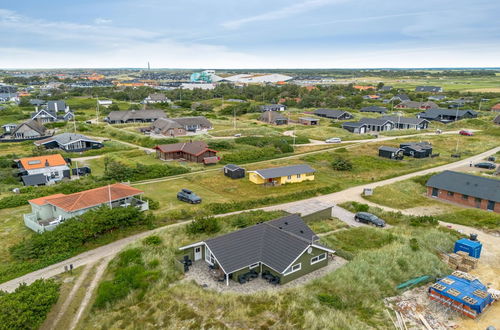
(214, 187)
(326, 225)
(12, 229)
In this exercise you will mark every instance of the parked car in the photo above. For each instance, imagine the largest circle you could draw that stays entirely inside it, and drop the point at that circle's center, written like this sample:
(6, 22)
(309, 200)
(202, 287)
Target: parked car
(333, 140)
(369, 218)
(489, 166)
(188, 196)
(466, 132)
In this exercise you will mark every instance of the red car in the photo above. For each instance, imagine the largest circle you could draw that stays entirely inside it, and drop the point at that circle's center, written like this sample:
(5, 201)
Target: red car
(465, 132)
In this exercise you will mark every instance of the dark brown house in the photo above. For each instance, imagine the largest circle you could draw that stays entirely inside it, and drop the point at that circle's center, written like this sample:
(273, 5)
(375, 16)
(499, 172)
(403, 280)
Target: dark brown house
(197, 151)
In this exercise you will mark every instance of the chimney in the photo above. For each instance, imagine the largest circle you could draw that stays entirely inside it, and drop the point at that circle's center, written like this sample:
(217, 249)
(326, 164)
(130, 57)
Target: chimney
(47, 163)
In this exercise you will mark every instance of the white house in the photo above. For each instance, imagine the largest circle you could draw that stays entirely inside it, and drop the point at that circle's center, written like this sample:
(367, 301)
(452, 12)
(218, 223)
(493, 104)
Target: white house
(43, 170)
(49, 211)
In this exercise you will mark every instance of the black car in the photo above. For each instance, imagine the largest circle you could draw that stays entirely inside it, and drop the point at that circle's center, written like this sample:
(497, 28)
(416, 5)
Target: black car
(188, 196)
(489, 166)
(369, 218)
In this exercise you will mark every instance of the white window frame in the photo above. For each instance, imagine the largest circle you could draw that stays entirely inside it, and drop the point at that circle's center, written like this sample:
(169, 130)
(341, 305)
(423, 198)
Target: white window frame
(291, 269)
(298, 176)
(319, 257)
(255, 265)
(289, 177)
(209, 257)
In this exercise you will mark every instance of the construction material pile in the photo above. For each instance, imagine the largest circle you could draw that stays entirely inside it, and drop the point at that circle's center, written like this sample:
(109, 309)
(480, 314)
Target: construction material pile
(461, 261)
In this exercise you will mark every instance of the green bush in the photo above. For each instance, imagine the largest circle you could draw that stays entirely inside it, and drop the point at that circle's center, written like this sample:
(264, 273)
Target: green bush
(118, 171)
(425, 220)
(207, 225)
(246, 219)
(247, 156)
(153, 204)
(342, 164)
(360, 207)
(28, 306)
(220, 145)
(414, 244)
(73, 234)
(152, 240)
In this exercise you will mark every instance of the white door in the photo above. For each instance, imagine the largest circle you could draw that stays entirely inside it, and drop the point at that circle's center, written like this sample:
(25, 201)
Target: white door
(197, 253)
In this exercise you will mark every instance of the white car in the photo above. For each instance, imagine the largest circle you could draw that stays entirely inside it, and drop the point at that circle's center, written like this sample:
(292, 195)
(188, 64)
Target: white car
(333, 140)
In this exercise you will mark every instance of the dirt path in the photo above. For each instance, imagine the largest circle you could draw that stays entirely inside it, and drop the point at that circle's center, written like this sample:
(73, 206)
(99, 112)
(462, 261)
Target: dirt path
(90, 290)
(71, 295)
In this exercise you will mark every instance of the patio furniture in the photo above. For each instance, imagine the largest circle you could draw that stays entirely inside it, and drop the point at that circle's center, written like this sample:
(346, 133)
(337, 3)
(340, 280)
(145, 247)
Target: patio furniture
(187, 261)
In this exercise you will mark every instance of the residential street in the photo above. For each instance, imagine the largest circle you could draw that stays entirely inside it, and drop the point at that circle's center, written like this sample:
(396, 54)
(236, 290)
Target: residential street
(331, 199)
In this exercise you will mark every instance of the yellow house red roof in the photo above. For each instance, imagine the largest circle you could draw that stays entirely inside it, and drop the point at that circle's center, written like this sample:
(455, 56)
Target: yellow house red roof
(31, 163)
(88, 198)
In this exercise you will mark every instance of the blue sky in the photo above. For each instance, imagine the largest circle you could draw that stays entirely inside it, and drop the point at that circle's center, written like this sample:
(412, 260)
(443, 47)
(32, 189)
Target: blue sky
(249, 34)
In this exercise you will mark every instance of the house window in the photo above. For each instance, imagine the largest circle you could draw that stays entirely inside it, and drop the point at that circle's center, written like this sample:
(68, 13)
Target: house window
(298, 176)
(465, 197)
(209, 257)
(253, 265)
(450, 193)
(289, 177)
(293, 269)
(318, 258)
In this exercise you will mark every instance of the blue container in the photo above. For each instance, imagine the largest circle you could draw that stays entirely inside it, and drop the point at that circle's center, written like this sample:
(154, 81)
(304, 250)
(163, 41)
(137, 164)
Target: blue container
(473, 248)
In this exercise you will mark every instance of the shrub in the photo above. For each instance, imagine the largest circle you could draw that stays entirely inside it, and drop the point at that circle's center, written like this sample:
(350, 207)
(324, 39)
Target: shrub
(70, 236)
(206, 225)
(414, 244)
(28, 306)
(425, 220)
(117, 171)
(360, 207)
(153, 204)
(220, 145)
(342, 164)
(152, 240)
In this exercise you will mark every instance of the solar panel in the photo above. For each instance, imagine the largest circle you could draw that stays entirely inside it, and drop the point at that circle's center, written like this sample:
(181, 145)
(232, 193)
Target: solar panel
(34, 162)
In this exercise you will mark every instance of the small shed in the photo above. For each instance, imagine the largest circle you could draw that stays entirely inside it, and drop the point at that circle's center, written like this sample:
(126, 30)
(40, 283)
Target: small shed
(417, 149)
(390, 152)
(309, 121)
(473, 248)
(234, 171)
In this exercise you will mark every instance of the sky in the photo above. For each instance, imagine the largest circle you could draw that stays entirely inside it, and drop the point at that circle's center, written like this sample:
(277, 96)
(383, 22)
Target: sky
(217, 34)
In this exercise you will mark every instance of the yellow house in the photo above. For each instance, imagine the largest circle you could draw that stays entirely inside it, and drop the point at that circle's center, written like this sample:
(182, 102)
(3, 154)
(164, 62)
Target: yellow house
(282, 175)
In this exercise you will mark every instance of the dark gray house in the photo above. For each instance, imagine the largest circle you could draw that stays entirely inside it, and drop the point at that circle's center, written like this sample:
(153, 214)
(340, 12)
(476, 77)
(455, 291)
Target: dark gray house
(374, 108)
(52, 111)
(29, 130)
(416, 149)
(408, 122)
(355, 127)
(69, 142)
(333, 114)
(390, 152)
(279, 250)
(447, 115)
(134, 116)
(400, 98)
(377, 124)
(428, 89)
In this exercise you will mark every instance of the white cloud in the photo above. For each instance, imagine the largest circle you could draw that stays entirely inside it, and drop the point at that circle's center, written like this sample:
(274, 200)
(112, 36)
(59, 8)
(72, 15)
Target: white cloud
(280, 13)
(100, 20)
